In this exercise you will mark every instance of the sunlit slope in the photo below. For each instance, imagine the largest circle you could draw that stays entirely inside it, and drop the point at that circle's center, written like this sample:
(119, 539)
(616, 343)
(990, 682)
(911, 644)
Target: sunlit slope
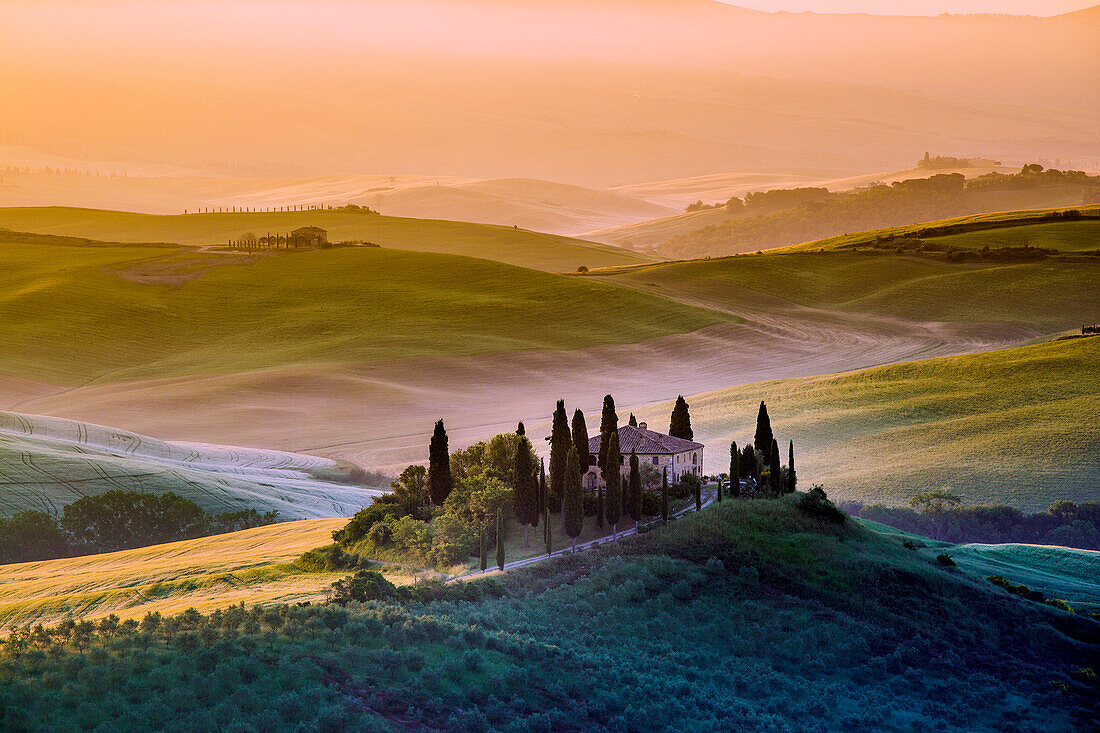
(500, 243)
(78, 312)
(1048, 295)
(1016, 426)
(205, 573)
(46, 463)
(1041, 227)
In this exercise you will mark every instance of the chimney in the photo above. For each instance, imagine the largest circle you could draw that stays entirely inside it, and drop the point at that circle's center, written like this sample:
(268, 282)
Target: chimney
(642, 426)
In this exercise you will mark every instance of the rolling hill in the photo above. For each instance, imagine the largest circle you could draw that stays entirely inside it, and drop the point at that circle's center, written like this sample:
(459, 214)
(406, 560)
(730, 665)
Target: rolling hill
(750, 613)
(46, 463)
(123, 312)
(1015, 427)
(503, 244)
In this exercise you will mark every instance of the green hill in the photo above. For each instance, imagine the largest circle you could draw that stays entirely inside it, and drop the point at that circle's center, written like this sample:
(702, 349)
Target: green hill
(902, 203)
(46, 463)
(503, 244)
(1048, 295)
(79, 311)
(1015, 427)
(750, 615)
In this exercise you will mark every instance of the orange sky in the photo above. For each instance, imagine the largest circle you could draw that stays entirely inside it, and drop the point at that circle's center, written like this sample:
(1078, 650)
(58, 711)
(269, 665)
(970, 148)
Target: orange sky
(919, 7)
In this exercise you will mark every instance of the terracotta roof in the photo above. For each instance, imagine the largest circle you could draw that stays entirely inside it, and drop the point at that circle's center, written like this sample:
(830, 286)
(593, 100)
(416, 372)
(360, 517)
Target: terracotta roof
(643, 441)
(310, 229)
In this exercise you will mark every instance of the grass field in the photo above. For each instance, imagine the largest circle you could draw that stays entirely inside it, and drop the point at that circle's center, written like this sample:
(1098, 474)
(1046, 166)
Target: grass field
(1049, 295)
(253, 565)
(503, 244)
(75, 311)
(750, 614)
(1016, 426)
(46, 463)
(1009, 225)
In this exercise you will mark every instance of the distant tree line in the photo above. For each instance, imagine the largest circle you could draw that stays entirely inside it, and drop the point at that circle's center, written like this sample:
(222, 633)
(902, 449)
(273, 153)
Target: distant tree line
(790, 216)
(115, 520)
(942, 516)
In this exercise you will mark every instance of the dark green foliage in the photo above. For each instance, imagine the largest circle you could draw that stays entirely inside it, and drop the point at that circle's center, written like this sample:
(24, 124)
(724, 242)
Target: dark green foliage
(764, 438)
(484, 556)
(634, 491)
(580, 440)
(944, 559)
(520, 430)
(543, 504)
(329, 559)
(365, 585)
(547, 532)
(664, 496)
(525, 488)
(116, 520)
(748, 464)
(679, 425)
(561, 440)
(697, 616)
(599, 507)
(440, 482)
(792, 478)
(1066, 523)
(609, 425)
(383, 509)
(697, 489)
(500, 541)
(775, 470)
(613, 478)
(632, 421)
(735, 471)
(31, 536)
(815, 503)
(573, 513)
(1018, 590)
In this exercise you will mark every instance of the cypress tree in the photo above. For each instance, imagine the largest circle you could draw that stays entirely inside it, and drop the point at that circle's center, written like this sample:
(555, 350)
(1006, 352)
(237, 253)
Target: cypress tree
(580, 440)
(573, 511)
(698, 495)
(484, 551)
(500, 541)
(525, 490)
(774, 468)
(542, 486)
(633, 421)
(634, 500)
(520, 430)
(735, 471)
(560, 443)
(599, 507)
(547, 533)
(440, 481)
(613, 477)
(664, 496)
(764, 437)
(792, 478)
(609, 424)
(680, 424)
(748, 464)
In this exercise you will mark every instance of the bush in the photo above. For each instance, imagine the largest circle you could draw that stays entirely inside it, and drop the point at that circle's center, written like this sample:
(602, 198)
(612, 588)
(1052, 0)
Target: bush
(1060, 604)
(382, 509)
(815, 503)
(327, 559)
(944, 559)
(365, 585)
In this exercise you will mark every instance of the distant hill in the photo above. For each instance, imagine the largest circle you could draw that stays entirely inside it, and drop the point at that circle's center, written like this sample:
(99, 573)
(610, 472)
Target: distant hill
(46, 463)
(901, 203)
(1012, 427)
(503, 244)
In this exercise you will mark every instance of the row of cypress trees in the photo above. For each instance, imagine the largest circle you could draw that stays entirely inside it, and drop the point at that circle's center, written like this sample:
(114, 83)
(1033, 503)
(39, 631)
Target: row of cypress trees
(746, 462)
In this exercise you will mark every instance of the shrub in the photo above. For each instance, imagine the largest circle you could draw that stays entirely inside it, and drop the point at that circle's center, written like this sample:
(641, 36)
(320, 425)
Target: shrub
(815, 503)
(327, 559)
(1060, 604)
(365, 585)
(944, 559)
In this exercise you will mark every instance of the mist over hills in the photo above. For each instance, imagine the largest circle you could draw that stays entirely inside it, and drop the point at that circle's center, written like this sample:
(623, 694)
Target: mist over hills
(613, 93)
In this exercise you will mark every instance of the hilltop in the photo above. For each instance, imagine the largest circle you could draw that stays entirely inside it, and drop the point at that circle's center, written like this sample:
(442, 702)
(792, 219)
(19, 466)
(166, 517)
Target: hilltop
(502, 244)
(47, 462)
(1013, 427)
(743, 615)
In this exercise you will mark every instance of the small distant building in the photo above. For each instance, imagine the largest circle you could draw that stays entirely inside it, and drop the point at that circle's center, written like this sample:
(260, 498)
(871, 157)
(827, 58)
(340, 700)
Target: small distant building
(661, 451)
(309, 237)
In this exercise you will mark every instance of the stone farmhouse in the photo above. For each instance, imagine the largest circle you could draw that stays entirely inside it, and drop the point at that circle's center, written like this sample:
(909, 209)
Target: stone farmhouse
(661, 451)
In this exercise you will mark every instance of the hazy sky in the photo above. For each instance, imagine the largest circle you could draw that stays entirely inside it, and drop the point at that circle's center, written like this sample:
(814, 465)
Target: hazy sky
(921, 7)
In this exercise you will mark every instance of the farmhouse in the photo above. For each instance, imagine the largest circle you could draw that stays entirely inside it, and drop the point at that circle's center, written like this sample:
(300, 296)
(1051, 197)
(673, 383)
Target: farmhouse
(309, 237)
(662, 451)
